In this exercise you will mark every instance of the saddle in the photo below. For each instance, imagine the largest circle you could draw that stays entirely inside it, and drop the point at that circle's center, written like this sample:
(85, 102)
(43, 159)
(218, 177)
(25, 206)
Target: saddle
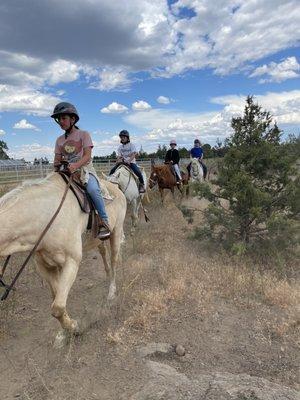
(131, 172)
(85, 202)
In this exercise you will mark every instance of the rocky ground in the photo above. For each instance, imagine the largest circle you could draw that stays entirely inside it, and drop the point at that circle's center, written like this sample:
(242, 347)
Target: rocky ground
(237, 327)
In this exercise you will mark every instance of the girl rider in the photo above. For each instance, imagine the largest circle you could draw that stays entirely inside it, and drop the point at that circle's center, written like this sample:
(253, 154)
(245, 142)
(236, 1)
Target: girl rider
(126, 155)
(75, 146)
(172, 157)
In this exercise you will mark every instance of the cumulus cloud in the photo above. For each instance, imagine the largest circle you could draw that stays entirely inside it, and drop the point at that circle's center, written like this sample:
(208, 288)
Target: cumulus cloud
(111, 79)
(27, 100)
(31, 151)
(163, 100)
(161, 125)
(141, 105)
(278, 72)
(2, 132)
(114, 108)
(24, 124)
(143, 35)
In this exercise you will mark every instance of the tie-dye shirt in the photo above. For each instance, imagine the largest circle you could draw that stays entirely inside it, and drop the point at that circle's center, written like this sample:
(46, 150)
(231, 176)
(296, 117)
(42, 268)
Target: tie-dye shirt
(71, 148)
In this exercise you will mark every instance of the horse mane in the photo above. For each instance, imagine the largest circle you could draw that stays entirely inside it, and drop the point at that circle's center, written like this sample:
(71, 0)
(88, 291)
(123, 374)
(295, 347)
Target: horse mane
(162, 170)
(11, 197)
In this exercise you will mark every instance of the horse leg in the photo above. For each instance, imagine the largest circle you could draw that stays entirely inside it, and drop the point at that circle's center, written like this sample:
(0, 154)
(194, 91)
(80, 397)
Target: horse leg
(66, 279)
(47, 272)
(115, 246)
(161, 191)
(103, 250)
(134, 215)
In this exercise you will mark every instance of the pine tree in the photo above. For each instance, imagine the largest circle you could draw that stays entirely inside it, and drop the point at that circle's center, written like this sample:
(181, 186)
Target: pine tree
(3, 147)
(258, 180)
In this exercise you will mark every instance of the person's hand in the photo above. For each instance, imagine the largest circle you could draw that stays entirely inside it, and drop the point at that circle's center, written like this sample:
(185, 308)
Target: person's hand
(73, 167)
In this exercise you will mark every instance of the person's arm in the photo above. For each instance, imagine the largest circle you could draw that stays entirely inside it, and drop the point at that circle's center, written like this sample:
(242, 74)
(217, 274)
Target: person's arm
(57, 161)
(131, 157)
(120, 157)
(86, 158)
(200, 158)
(176, 157)
(167, 157)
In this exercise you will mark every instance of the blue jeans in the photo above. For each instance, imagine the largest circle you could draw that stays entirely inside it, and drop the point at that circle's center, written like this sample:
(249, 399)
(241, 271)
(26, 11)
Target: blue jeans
(94, 191)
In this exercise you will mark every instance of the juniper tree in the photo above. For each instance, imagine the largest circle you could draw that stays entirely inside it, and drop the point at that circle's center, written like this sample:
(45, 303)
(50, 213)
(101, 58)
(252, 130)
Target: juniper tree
(258, 182)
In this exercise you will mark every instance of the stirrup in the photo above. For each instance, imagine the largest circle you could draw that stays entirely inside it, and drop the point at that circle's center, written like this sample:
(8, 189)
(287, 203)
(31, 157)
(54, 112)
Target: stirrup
(104, 232)
(142, 188)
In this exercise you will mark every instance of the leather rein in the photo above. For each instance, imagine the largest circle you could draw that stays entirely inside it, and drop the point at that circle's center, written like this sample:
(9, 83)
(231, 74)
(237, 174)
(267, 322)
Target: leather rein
(8, 288)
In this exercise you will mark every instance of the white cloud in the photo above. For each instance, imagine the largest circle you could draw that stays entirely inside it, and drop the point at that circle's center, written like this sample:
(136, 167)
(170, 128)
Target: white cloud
(62, 71)
(24, 124)
(143, 35)
(2, 132)
(284, 106)
(31, 151)
(163, 100)
(161, 125)
(114, 108)
(141, 105)
(278, 72)
(112, 79)
(26, 100)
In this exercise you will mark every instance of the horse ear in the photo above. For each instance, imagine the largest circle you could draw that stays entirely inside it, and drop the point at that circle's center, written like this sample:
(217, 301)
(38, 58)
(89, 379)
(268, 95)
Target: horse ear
(152, 163)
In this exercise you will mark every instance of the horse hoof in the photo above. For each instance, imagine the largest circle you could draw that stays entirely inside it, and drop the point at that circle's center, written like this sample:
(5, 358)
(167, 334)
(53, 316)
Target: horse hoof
(112, 293)
(61, 340)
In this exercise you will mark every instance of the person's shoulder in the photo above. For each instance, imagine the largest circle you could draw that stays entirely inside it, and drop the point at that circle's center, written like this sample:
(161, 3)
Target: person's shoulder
(60, 138)
(83, 133)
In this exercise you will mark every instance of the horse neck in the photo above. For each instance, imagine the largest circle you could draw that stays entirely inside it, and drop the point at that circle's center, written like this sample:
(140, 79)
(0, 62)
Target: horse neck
(24, 213)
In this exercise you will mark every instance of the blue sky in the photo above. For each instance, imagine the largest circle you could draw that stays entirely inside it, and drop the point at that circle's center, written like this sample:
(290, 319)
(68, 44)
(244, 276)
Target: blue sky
(161, 70)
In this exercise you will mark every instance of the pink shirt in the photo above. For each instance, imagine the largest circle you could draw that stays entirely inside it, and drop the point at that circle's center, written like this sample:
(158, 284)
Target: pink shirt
(72, 146)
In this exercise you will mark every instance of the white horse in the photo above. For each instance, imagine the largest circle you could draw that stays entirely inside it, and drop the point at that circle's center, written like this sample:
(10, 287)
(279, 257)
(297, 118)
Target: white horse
(24, 213)
(127, 183)
(196, 171)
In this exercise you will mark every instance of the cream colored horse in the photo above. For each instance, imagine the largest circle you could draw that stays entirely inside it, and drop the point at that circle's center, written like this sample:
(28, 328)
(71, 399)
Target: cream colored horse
(196, 171)
(127, 183)
(25, 211)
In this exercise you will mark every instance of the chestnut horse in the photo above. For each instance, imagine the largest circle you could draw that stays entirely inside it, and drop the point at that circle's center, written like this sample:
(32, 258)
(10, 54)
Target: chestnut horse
(165, 178)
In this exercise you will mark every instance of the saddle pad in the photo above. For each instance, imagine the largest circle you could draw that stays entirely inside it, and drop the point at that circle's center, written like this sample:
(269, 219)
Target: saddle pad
(130, 171)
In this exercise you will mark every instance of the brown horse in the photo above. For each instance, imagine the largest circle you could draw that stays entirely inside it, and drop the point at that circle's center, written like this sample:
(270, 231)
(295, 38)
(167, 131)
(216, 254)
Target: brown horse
(165, 178)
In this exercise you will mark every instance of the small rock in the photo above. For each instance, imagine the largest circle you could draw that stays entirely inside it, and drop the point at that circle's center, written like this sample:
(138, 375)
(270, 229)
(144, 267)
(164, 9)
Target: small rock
(89, 285)
(95, 258)
(180, 350)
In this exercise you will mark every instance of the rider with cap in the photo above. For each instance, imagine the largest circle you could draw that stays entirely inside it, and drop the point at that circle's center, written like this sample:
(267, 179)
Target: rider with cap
(75, 147)
(126, 155)
(172, 157)
(197, 152)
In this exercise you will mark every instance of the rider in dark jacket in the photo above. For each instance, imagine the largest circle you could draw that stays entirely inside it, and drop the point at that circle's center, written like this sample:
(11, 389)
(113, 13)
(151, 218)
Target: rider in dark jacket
(172, 157)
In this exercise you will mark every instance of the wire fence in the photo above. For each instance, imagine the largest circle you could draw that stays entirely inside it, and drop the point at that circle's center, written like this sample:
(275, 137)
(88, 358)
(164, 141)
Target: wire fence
(19, 173)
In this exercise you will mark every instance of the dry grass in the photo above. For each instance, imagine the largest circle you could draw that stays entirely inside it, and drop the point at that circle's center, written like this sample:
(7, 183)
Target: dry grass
(165, 270)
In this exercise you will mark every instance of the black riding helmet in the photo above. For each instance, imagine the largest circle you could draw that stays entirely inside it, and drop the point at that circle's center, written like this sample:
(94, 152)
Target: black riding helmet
(125, 133)
(65, 108)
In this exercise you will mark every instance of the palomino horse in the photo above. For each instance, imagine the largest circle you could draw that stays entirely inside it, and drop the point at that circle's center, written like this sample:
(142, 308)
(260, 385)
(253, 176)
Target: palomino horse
(127, 183)
(163, 176)
(196, 171)
(24, 213)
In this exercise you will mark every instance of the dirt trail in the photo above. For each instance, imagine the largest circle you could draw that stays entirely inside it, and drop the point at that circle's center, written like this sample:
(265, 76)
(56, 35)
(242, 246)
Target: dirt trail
(168, 292)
